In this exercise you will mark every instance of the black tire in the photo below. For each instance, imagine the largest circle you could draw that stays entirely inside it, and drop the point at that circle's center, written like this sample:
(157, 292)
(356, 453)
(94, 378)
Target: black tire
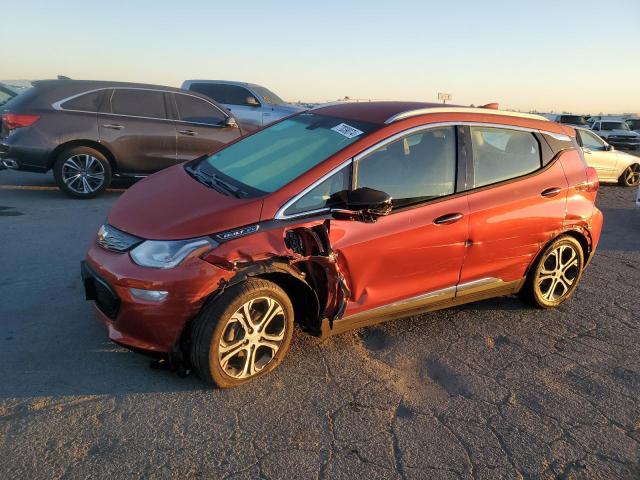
(216, 320)
(86, 185)
(542, 292)
(631, 176)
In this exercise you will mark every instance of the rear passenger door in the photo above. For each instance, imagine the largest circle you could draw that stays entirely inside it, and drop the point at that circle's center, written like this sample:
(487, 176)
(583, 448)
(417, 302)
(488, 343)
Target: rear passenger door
(134, 124)
(201, 127)
(516, 205)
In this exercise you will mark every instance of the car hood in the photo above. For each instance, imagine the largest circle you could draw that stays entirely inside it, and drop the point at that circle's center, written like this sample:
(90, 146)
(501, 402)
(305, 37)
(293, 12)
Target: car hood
(171, 205)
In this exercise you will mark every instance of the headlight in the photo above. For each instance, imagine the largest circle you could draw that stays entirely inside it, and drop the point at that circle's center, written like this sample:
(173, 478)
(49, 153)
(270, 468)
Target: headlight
(168, 254)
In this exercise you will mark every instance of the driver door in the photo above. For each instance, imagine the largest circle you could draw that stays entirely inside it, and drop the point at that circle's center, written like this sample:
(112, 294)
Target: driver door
(418, 249)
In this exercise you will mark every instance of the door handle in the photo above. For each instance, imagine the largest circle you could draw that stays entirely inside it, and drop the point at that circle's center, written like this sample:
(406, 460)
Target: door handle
(586, 150)
(551, 192)
(190, 133)
(448, 218)
(113, 126)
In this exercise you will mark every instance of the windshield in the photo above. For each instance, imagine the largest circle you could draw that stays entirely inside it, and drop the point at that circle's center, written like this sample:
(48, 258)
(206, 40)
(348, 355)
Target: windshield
(272, 157)
(5, 96)
(614, 126)
(573, 119)
(634, 124)
(268, 96)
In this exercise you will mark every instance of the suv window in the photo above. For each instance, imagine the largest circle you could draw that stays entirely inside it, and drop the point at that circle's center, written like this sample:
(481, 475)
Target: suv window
(415, 168)
(229, 94)
(591, 141)
(572, 119)
(138, 103)
(501, 154)
(317, 198)
(89, 102)
(196, 110)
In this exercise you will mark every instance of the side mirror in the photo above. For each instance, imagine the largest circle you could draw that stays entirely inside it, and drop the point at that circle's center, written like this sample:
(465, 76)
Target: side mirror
(609, 148)
(362, 204)
(252, 102)
(231, 122)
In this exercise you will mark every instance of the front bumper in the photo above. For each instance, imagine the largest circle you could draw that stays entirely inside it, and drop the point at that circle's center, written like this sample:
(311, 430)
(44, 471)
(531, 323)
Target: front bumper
(141, 324)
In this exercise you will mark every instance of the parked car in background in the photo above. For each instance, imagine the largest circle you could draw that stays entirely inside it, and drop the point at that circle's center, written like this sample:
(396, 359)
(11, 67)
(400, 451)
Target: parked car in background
(617, 133)
(91, 131)
(611, 164)
(253, 106)
(573, 120)
(340, 217)
(6, 94)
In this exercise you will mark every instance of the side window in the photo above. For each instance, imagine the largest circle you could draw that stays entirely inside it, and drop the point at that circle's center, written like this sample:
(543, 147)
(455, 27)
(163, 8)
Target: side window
(318, 197)
(4, 97)
(227, 94)
(501, 154)
(589, 140)
(138, 103)
(414, 168)
(196, 110)
(89, 102)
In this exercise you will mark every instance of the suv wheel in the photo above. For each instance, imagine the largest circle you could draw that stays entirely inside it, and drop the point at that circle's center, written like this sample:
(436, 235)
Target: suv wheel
(556, 274)
(82, 172)
(243, 334)
(631, 176)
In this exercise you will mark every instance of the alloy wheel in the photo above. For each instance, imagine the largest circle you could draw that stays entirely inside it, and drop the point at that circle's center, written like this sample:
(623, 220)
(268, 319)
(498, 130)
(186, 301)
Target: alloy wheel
(251, 337)
(631, 175)
(83, 174)
(559, 272)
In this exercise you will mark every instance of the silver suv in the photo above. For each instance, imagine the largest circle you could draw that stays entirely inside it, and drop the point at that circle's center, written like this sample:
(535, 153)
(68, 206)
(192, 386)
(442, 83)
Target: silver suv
(252, 105)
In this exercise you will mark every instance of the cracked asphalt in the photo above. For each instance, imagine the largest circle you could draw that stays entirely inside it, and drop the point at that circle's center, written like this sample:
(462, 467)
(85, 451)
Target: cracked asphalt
(490, 390)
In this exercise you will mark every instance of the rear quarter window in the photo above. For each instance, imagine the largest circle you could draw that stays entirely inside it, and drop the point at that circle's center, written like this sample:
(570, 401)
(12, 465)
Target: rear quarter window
(87, 102)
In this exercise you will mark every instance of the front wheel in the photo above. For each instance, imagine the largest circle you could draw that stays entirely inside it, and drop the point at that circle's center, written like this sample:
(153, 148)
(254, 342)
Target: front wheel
(631, 176)
(556, 274)
(243, 334)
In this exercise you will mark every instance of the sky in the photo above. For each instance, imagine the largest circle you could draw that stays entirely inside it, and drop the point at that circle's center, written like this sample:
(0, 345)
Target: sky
(561, 55)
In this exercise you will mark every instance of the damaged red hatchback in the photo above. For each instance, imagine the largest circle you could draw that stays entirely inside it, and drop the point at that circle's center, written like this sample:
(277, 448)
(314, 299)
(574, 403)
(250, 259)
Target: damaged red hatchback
(336, 218)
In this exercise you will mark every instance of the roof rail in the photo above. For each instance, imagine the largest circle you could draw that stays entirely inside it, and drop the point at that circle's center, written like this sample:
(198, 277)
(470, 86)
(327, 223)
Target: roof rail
(485, 111)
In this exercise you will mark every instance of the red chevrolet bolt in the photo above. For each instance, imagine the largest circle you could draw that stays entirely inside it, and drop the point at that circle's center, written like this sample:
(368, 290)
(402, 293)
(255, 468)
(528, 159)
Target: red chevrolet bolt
(336, 218)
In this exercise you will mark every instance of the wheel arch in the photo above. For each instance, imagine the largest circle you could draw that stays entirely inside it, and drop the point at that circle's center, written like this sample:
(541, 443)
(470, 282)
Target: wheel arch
(82, 143)
(579, 234)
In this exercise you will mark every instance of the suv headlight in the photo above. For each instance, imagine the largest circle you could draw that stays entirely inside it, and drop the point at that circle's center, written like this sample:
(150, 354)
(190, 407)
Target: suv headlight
(169, 254)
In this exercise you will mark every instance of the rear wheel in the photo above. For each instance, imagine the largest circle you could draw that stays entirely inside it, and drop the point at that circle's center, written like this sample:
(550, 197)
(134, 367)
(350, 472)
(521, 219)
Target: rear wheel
(631, 176)
(82, 172)
(244, 334)
(556, 274)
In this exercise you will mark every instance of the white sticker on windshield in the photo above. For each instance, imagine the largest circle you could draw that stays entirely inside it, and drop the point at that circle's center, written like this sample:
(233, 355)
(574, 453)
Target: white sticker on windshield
(347, 130)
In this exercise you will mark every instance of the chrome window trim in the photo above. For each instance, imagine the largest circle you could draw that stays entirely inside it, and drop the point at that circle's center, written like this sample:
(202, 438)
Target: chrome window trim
(58, 105)
(280, 213)
(356, 158)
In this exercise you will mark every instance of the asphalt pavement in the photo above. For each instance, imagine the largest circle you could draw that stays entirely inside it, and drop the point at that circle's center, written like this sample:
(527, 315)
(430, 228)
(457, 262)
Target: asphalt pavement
(489, 390)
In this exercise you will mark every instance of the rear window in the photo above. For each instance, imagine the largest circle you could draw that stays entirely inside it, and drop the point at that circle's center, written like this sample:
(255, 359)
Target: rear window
(500, 154)
(88, 102)
(138, 103)
(634, 124)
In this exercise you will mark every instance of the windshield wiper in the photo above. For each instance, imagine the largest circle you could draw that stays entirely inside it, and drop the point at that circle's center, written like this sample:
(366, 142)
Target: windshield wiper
(212, 181)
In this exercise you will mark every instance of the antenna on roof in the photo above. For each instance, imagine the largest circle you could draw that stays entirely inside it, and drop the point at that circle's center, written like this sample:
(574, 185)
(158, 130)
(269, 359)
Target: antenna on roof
(62, 77)
(491, 106)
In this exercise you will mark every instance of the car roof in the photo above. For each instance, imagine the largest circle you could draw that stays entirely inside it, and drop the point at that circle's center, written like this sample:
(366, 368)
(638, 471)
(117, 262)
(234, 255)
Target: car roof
(389, 112)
